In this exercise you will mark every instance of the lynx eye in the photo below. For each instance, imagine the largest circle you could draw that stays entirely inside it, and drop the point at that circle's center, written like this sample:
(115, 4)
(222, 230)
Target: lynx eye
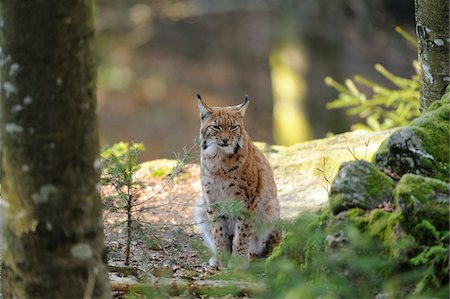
(216, 127)
(234, 127)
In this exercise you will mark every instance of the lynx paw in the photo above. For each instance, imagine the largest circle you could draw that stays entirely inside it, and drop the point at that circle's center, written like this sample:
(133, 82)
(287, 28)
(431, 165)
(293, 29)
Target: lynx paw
(213, 262)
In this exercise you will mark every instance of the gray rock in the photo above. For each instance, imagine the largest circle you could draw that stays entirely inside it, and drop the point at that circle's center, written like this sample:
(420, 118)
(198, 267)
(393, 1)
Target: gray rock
(359, 184)
(421, 148)
(420, 198)
(403, 152)
(303, 172)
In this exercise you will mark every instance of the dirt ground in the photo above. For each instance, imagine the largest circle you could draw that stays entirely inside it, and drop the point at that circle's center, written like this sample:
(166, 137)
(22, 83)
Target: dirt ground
(165, 241)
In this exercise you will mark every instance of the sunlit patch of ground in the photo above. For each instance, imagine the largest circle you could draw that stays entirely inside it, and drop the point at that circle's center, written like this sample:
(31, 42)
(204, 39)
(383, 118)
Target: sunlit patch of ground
(164, 241)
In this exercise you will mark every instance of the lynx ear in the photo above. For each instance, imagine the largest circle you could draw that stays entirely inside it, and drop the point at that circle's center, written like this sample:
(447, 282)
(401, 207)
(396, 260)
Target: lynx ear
(242, 107)
(203, 108)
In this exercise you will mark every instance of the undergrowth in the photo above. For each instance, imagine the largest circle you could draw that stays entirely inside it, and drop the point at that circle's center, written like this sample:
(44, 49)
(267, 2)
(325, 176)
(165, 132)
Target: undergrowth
(358, 254)
(122, 173)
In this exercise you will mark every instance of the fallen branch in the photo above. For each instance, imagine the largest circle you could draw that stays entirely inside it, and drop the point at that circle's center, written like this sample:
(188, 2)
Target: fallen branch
(125, 270)
(176, 287)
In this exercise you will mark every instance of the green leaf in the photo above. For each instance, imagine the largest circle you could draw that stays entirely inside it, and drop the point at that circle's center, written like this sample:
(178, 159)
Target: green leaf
(412, 40)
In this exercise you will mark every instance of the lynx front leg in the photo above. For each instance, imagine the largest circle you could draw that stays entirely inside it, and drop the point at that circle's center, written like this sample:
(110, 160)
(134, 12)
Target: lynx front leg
(241, 243)
(221, 239)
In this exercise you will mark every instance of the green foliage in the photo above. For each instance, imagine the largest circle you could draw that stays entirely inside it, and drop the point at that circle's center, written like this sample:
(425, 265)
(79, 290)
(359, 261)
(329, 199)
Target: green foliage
(119, 170)
(226, 208)
(165, 167)
(124, 179)
(421, 198)
(357, 254)
(432, 257)
(119, 164)
(386, 107)
(323, 258)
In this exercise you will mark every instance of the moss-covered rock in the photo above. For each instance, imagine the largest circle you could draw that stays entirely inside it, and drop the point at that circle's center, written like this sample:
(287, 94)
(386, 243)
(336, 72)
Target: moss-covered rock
(422, 147)
(160, 168)
(387, 226)
(359, 184)
(303, 171)
(331, 257)
(420, 198)
(358, 253)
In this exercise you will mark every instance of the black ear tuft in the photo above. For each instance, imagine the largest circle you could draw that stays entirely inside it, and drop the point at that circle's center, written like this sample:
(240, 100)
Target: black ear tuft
(199, 97)
(243, 106)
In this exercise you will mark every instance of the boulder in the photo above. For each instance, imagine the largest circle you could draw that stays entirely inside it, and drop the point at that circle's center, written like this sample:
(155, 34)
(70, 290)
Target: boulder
(422, 147)
(303, 172)
(359, 184)
(420, 198)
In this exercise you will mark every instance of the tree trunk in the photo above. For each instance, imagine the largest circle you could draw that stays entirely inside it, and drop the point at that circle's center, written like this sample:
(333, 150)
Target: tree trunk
(129, 229)
(53, 232)
(432, 29)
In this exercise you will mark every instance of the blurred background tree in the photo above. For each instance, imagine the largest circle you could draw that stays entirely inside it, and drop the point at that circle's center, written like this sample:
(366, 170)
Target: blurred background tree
(155, 55)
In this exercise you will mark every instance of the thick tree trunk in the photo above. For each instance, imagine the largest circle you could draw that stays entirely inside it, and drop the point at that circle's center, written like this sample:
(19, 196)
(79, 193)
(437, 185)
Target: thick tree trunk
(432, 28)
(53, 236)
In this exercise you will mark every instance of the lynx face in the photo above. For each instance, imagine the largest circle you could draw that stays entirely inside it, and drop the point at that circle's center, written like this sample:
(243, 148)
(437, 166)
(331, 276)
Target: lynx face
(221, 128)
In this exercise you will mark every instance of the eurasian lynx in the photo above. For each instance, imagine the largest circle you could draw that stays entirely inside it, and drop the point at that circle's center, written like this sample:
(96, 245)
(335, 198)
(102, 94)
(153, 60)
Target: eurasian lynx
(233, 169)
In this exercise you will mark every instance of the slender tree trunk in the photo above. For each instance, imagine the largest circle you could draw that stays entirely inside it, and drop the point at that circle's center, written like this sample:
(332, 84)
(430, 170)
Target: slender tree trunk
(129, 229)
(53, 232)
(432, 28)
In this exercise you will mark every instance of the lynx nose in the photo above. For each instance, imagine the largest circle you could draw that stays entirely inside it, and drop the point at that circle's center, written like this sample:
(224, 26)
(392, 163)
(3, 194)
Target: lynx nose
(224, 140)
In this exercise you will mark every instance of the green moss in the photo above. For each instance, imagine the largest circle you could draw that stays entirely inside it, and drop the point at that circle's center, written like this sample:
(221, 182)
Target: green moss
(335, 259)
(444, 101)
(358, 217)
(422, 198)
(383, 150)
(160, 168)
(387, 227)
(379, 185)
(433, 128)
(378, 220)
(358, 253)
(337, 201)
(359, 184)
(421, 188)
(422, 147)
(426, 163)
(294, 244)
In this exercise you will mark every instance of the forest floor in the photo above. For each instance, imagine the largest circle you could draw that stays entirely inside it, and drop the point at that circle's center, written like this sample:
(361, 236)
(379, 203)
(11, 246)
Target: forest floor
(165, 241)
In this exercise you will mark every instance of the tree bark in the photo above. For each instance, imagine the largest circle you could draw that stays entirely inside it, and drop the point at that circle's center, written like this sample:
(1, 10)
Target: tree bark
(53, 231)
(129, 228)
(432, 29)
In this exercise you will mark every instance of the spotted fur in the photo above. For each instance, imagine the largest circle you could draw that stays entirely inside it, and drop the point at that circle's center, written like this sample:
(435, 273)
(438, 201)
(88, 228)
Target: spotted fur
(232, 168)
